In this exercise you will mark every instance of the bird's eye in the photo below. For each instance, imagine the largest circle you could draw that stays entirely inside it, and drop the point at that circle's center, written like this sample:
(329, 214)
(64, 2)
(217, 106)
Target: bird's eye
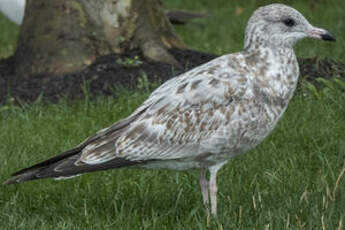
(289, 22)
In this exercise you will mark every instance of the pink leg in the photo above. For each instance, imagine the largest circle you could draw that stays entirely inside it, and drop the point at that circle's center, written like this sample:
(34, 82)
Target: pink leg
(213, 187)
(204, 190)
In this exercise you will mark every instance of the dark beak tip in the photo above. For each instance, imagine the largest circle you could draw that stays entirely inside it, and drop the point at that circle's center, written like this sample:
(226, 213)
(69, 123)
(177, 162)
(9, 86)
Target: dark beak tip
(328, 37)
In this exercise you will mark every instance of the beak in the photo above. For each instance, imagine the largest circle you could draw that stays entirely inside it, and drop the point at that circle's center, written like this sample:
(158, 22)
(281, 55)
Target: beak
(322, 34)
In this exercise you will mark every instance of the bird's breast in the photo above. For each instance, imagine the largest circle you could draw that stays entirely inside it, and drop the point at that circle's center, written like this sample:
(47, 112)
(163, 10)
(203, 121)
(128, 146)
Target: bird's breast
(251, 121)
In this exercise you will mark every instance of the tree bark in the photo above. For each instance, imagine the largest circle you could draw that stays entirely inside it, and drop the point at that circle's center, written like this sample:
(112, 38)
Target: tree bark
(62, 36)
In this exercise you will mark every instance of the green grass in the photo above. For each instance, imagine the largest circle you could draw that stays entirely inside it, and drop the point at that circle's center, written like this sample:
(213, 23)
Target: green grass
(223, 31)
(289, 181)
(8, 36)
(292, 180)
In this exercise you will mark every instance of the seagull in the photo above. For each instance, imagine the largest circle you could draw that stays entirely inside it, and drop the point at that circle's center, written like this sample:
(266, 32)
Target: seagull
(203, 117)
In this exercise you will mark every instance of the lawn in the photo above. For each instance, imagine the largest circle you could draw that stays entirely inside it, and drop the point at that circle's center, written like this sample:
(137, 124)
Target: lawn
(293, 180)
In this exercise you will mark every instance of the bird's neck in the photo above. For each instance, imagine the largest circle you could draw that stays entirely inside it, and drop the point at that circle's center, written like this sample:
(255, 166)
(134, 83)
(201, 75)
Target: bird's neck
(276, 72)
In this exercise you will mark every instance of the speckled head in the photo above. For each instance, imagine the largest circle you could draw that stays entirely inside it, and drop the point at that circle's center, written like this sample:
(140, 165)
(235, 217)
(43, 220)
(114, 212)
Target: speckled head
(278, 25)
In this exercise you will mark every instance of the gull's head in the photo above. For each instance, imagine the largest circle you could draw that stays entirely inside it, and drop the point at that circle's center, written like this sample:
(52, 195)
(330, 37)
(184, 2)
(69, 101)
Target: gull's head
(278, 25)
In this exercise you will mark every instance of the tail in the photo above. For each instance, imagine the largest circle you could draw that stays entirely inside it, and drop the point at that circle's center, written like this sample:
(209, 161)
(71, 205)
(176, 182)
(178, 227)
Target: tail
(66, 164)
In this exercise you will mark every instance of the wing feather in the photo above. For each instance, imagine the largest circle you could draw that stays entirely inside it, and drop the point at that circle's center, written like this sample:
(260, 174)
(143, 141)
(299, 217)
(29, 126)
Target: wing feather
(181, 119)
(180, 115)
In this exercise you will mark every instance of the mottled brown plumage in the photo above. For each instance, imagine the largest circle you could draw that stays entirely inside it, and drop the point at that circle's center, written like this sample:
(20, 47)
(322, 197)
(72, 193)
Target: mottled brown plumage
(203, 117)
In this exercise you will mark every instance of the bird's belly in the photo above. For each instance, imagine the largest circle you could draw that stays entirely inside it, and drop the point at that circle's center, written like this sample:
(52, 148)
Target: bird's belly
(178, 165)
(245, 130)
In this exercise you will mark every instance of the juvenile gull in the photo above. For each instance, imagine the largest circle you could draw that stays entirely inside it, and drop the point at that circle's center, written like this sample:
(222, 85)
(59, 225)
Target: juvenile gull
(204, 117)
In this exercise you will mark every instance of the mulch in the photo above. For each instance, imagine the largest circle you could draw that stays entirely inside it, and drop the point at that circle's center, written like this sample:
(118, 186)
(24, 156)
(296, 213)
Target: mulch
(110, 73)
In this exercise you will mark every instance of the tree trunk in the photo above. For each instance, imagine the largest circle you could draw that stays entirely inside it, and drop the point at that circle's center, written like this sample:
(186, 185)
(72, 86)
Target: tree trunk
(61, 36)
